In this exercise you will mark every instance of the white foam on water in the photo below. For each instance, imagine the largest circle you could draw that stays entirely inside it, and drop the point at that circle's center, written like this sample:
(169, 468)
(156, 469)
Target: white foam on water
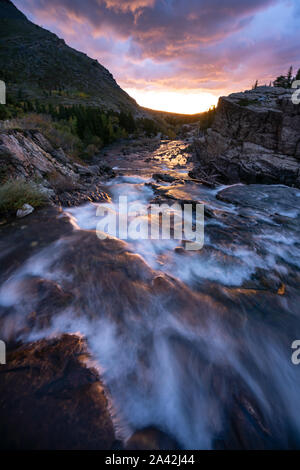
(158, 367)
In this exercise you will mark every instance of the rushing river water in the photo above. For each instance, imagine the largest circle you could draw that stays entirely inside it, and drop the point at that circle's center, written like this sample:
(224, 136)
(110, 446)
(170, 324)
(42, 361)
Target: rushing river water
(195, 343)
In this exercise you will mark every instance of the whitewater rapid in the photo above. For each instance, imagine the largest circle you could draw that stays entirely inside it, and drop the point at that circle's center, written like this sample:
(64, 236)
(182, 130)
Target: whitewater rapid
(186, 368)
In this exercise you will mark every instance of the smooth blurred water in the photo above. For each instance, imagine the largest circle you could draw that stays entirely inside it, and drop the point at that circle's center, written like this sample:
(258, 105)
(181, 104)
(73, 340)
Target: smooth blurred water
(223, 350)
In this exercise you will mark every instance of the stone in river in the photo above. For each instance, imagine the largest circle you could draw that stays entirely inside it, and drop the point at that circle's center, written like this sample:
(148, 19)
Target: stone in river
(26, 210)
(151, 439)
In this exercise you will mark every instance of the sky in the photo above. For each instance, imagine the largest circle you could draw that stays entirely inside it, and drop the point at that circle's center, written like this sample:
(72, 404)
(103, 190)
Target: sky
(178, 55)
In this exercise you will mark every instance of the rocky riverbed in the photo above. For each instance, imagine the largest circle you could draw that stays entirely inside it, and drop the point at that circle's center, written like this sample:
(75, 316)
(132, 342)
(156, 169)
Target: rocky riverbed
(27, 155)
(140, 343)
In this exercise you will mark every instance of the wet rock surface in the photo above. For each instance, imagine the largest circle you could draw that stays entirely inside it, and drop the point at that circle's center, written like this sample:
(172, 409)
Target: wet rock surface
(50, 398)
(273, 199)
(21, 239)
(151, 439)
(194, 346)
(24, 211)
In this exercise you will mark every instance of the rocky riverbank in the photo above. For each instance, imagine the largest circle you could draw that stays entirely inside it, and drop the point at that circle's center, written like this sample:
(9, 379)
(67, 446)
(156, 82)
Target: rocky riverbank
(26, 155)
(64, 181)
(193, 347)
(254, 138)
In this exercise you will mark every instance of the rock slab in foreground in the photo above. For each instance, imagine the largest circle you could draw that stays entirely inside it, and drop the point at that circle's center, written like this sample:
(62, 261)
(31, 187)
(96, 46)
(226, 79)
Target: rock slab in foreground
(50, 399)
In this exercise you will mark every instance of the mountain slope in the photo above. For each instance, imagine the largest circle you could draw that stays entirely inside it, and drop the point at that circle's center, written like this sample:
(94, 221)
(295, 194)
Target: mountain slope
(37, 64)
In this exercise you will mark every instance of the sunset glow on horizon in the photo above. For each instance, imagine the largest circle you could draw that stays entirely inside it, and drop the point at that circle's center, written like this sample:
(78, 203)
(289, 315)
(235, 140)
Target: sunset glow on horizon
(178, 56)
(182, 102)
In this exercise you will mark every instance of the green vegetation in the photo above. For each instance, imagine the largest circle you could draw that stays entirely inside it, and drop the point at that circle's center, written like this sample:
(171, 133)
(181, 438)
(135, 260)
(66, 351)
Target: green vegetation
(79, 130)
(173, 123)
(60, 182)
(14, 194)
(45, 68)
(70, 97)
(75, 94)
(247, 102)
(58, 133)
(285, 81)
(207, 118)
(174, 119)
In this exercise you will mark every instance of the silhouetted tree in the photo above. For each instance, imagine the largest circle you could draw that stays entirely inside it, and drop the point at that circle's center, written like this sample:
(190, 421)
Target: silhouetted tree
(127, 122)
(290, 76)
(148, 126)
(4, 114)
(281, 82)
(207, 118)
(285, 81)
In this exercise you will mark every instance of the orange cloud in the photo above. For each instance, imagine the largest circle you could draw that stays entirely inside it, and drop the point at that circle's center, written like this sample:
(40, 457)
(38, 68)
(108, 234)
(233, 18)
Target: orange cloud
(129, 5)
(208, 45)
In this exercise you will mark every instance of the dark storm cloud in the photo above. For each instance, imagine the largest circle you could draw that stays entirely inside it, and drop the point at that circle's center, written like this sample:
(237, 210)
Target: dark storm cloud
(212, 44)
(161, 28)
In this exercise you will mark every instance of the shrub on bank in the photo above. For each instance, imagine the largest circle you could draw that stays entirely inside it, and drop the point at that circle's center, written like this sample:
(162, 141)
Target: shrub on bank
(14, 194)
(59, 134)
(207, 118)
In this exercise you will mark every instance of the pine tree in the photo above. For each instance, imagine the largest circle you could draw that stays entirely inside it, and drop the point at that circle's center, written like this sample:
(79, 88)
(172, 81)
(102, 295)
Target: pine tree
(290, 77)
(281, 81)
(20, 94)
(127, 122)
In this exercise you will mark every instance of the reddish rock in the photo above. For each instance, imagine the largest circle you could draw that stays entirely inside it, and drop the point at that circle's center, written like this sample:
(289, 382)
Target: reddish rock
(151, 439)
(50, 398)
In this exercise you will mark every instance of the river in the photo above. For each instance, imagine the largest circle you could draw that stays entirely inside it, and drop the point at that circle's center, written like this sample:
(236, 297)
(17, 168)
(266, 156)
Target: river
(195, 343)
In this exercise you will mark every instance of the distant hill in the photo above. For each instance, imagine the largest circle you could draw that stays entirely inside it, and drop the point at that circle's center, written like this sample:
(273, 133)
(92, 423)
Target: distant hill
(36, 64)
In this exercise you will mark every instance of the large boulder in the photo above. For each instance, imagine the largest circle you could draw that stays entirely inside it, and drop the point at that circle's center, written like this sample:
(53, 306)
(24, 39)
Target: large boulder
(254, 138)
(28, 154)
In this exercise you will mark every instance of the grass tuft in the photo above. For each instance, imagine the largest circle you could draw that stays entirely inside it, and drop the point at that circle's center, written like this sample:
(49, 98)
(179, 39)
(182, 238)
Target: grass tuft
(14, 194)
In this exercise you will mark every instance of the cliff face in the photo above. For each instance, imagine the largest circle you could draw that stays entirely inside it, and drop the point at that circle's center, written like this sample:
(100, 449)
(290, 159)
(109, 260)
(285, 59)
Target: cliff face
(255, 138)
(40, 65)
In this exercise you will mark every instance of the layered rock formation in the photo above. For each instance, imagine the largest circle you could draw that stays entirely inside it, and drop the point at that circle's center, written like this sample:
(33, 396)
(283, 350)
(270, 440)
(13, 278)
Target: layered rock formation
(255, 138)
(28, 155)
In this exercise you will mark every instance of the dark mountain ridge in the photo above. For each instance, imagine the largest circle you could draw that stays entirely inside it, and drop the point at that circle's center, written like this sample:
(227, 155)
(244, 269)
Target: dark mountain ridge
(36, 64)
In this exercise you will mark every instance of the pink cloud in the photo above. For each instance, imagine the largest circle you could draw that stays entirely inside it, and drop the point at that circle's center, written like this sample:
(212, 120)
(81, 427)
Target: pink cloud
(214, 45)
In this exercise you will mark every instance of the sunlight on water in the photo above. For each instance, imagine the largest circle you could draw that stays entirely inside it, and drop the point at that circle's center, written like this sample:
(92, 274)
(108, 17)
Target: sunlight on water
(182, 338)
